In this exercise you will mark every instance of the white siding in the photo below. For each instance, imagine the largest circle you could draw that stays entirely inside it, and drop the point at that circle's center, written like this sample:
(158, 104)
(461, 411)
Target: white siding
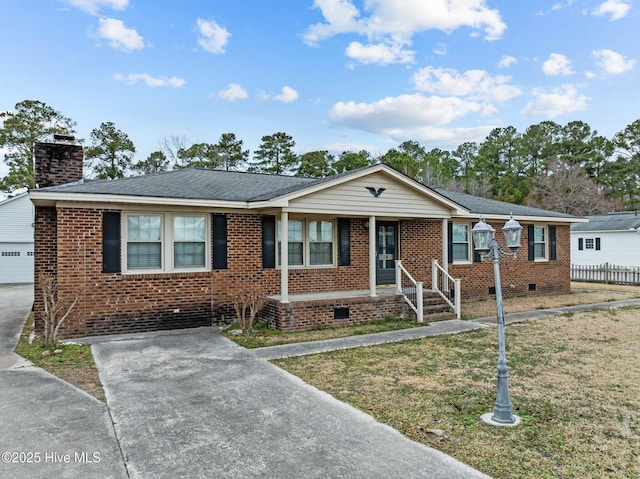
(352, 198)
(16, 263)
(16, 219)
(620, 248)
(16, 240)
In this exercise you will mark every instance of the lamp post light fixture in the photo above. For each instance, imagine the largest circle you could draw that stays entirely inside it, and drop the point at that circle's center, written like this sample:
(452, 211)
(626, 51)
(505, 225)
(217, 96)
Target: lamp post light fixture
(486, 244)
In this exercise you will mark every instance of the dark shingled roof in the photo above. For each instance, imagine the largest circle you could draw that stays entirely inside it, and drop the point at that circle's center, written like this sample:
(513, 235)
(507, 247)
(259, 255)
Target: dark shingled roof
(217, 185)
(484, 206)
(610, 222)
(194, 184)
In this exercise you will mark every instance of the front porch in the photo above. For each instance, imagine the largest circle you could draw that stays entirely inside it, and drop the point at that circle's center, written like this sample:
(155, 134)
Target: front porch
(340, 308)
(372, 256)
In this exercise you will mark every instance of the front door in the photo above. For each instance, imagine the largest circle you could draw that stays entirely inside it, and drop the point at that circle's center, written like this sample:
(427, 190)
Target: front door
(386, 252)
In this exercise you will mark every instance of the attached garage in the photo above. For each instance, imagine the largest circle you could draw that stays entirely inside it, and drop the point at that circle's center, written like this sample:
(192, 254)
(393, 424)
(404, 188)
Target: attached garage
(16, 240)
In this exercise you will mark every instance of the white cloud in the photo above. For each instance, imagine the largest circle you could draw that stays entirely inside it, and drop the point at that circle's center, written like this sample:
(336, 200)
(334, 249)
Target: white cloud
(442, 137)
(233, 92)
(616, 8)
(153, 82)
(119, 36)
(341, 17)
(394, 22)
(286, 95)
(412, 117)
(506, 61)
(93, 6)
(379, 53)
(475, 84)
(560, 6)
(441, 49)
(564, 99)
(612, 63)
(557, 64)
(213, 38)
(401, 112)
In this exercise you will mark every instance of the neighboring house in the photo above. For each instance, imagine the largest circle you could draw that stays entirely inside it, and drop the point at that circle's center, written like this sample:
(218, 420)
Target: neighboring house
(613, 238)
(173, 249)
(16, 239)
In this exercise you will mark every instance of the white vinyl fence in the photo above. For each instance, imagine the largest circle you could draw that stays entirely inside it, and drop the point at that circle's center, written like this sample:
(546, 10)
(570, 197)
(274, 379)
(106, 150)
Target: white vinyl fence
(606, 273)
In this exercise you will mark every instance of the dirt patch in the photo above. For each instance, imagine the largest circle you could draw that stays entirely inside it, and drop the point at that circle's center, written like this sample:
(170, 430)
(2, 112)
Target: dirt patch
(85, 378)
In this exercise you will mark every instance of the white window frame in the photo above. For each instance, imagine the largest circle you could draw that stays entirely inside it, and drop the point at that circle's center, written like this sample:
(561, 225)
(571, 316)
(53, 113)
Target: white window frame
(306, 243)
(469, 259)
(166, 243)
(590, 243)
(546, 243)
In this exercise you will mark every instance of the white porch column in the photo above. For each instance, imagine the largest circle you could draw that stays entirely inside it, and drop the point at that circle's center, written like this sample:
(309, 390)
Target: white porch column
(284, 257)
(445, 249)
(372, 256)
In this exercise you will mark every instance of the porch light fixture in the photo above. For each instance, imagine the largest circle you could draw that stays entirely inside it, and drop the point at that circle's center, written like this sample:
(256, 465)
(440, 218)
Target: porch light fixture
(486, 244)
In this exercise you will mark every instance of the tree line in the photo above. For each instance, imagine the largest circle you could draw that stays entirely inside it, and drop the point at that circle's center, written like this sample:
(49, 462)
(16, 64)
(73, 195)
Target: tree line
(566, 168)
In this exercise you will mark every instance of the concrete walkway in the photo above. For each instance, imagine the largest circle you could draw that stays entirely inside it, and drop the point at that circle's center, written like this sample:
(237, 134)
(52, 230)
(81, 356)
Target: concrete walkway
(49, 428)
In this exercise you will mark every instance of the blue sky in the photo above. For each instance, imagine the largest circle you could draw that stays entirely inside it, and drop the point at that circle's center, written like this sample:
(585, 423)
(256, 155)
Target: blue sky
(334, 74)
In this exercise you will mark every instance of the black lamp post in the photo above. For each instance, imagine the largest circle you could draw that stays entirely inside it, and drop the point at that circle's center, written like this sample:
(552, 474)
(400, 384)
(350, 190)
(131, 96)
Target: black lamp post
(486, 244)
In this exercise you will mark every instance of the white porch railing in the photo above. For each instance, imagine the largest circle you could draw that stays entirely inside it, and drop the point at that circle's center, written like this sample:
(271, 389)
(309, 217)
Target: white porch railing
(410, 289)
(446, 286)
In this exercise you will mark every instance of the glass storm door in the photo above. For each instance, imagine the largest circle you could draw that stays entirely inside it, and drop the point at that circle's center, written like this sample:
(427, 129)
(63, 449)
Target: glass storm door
(386, 252)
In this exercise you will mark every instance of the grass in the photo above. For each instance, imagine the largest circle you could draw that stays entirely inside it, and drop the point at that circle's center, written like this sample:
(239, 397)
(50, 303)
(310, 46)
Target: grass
(574, 383)
(582, 293)
(70, 362)
(262, 336)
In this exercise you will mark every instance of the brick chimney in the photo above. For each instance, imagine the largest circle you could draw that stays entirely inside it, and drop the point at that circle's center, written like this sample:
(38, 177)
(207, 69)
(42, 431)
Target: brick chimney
(58, 163)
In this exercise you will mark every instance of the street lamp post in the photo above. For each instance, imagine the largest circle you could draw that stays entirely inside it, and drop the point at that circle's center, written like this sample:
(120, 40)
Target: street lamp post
(486, 244)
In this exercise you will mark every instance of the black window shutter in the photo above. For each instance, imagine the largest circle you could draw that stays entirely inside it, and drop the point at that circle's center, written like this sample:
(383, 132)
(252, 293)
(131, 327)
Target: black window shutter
(268, 241)
(580, 244)
(219, 241)
(344, 241)
(449, 242)
(598, 244)
(530, 238)
(477, 257)
(111, 242)
(552, 243)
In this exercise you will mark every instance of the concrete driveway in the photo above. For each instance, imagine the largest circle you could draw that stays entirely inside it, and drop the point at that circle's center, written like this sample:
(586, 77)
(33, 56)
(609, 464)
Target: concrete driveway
(49, 428)
(188, 404)
(194, 404)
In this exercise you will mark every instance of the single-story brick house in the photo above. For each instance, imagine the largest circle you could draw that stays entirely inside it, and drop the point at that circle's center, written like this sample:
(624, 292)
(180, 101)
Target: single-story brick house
(171, 250)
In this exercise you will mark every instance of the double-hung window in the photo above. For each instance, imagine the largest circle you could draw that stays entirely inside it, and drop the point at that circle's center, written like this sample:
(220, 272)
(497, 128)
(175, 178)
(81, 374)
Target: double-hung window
(189, 241)
(295, 240)
(540, 243)
(144, 242)
(320, 242)
(460, 242)
(310, 242)
(166, 242)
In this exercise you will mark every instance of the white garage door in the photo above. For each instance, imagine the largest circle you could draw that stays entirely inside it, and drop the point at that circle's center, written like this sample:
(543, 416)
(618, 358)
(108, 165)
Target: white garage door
(16, 262)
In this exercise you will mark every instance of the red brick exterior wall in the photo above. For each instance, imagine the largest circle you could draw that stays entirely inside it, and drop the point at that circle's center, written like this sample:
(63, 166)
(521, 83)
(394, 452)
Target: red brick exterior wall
(420, 243)
(69, 244)
(303, 315)
(45, 252)
(516, 274)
